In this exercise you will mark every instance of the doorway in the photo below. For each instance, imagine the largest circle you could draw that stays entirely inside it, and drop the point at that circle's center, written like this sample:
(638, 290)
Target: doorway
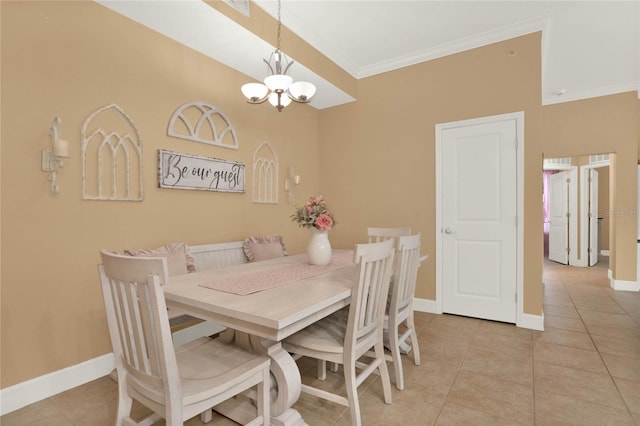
(587, 183)
(479, 186)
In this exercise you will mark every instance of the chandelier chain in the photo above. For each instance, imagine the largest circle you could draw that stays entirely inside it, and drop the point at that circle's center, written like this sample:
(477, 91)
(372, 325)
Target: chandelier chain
(279, 27)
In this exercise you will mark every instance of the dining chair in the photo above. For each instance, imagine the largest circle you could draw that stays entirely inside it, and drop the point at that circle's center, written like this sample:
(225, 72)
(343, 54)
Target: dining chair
(400, 307)
(376, 234)
(175, 383)
(345, 339)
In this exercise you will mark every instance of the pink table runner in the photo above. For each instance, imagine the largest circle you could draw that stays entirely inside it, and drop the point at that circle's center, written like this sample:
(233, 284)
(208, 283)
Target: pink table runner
(276, 277)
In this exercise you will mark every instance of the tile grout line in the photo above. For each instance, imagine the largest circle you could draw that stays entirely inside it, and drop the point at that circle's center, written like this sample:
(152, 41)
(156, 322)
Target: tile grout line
(611, 377)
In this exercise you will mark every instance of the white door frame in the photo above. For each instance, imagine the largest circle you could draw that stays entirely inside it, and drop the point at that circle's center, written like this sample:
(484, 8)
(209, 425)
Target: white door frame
(440, 128)
(573, 210)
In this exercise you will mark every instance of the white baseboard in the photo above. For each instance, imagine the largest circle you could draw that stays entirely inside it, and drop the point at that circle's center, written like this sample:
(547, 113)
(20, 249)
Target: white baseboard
(609, 274)
(624, 285)
(533, 322)
(39, 388)
(43, 387)
(426, 305)
(604, 252)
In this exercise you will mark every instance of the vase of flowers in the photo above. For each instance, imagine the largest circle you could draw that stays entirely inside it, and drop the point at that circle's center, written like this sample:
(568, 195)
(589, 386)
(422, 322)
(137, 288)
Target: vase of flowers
(315, 216)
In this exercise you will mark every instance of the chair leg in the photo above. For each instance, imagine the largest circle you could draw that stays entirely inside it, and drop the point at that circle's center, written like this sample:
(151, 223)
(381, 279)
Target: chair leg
(397, 359)
(264, 398)
(322, 369)
(206, 416)
(124, 400)
(384, 372)
(351, 385)
(414, 340)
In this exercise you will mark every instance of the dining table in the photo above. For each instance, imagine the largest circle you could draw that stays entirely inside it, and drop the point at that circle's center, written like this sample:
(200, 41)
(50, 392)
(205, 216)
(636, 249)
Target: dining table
(261, 303)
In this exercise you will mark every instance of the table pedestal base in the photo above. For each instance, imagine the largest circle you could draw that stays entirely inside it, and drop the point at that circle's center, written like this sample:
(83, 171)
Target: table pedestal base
(286, 383)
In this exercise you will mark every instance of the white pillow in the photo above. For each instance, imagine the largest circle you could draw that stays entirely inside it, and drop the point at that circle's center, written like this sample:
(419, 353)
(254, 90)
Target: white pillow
(263, 248)
(179, 259)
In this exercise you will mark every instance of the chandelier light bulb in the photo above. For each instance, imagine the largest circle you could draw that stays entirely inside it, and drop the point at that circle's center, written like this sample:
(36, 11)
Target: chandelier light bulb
(277, 99)
(278, 82)
(254, 91)
(302, 91)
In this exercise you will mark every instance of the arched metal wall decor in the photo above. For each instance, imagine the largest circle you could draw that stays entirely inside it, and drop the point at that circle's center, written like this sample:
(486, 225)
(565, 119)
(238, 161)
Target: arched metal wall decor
(112, 158)
(202, 122)
(265, 174)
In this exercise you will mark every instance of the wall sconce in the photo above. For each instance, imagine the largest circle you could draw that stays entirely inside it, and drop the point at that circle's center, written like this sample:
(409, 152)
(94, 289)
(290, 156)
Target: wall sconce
(290, 183)
(53, 160)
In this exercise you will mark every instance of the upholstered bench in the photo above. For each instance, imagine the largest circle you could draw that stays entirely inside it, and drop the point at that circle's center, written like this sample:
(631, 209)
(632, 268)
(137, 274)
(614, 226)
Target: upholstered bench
(206, 256)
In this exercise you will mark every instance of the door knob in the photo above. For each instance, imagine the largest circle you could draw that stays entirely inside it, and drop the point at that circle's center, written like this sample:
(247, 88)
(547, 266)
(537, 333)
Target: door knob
(448, 231)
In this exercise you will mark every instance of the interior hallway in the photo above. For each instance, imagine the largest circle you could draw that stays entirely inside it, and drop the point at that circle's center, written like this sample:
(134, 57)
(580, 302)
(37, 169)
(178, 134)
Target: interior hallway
(584, 369)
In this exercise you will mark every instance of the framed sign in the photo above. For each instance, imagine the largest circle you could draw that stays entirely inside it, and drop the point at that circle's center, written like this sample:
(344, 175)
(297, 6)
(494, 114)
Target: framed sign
(185, 171)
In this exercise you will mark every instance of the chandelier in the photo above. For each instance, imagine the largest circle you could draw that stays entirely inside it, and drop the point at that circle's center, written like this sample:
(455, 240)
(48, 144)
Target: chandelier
(278, 88)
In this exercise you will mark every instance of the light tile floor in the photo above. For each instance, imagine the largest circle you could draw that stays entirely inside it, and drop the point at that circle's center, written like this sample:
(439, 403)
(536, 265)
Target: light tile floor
(584, 369)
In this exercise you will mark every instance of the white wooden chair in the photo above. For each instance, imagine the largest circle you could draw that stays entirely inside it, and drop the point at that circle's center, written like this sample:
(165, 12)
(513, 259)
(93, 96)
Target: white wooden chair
(375, 234)
(176, 384)
(344, 339)
(400, 308)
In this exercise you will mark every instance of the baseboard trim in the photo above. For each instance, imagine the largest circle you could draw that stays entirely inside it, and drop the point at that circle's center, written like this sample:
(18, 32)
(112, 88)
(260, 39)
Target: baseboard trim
(622, 285)
(43, 387)
(426, 305)
(604, 252)
(39, 388)
(533, 322)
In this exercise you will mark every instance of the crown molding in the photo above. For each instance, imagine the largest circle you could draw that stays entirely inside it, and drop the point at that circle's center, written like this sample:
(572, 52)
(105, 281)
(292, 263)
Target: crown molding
(468, 43)
(631, 86)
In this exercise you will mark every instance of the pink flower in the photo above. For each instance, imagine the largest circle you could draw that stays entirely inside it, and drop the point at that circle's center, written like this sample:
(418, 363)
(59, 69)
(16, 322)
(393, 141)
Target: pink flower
(324, 222)
(307, 208)
(318, 199)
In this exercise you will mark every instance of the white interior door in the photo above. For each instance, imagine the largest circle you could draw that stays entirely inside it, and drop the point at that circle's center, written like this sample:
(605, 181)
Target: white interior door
(479, 223)
(593, 217)
(558, 218)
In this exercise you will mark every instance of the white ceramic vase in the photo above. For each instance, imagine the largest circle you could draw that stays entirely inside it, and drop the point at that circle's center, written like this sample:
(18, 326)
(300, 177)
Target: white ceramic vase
(319, 248)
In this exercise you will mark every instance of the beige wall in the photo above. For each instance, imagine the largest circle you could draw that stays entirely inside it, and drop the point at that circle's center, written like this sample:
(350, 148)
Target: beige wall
(69, 59)
(378, 155)
(607, 124)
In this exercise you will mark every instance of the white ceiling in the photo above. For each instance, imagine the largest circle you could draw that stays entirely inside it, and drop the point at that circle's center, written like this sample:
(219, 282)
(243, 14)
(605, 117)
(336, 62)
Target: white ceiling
(590, 48)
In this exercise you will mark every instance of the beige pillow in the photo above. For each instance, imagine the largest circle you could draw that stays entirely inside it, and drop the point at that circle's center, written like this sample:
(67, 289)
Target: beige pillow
(263, 248)
(179, 259)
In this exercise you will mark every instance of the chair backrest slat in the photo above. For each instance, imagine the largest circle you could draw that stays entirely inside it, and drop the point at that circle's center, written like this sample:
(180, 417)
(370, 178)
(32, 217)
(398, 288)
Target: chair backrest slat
(406, 272)
(368, 298)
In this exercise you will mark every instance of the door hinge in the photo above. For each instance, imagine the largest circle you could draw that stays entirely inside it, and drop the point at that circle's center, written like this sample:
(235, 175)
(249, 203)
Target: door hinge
(589, 250)
(568, 215)
(568, 250)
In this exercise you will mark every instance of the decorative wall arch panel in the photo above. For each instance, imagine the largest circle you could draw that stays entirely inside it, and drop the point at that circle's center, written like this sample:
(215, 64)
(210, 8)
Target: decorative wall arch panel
(265, 174)
(202, 122)
(111, 157)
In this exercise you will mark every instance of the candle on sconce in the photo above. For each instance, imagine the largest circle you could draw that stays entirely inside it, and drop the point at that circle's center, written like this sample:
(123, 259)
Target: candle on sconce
(61, 148)
(296, 179)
